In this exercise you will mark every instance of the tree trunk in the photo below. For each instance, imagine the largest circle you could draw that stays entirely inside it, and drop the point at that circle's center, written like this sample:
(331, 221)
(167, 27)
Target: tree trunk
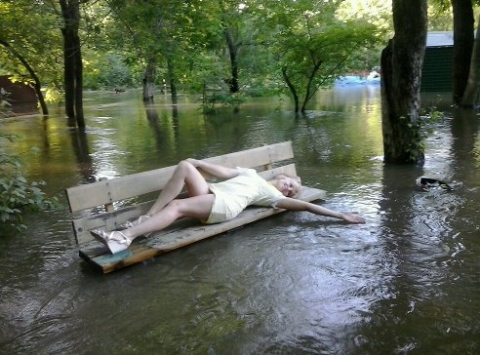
(310, 89)
(233, 51)
(148, 81)
(68, 74)
(38, 89)
(291, 88)
(402, 62)
(78, 82)
(73, 67)
(463, 29)
(470, 96)
(171, 81)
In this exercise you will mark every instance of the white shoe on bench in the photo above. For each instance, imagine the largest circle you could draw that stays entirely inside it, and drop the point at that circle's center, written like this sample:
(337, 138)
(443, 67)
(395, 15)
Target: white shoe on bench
(116, 241)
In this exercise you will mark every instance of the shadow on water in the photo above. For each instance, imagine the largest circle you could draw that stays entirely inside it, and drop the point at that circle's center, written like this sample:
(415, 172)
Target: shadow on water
(81, 149)
(404, 283)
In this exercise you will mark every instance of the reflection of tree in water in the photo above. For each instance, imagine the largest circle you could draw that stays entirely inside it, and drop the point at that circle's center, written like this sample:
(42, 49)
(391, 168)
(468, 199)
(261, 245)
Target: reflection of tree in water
(464, 268)
(161, 134)
(464, 133)
(46, 141)
(395, 282)
(222, 126)
(82, 153)
(176, 125)
(152, 116)
(80, 147)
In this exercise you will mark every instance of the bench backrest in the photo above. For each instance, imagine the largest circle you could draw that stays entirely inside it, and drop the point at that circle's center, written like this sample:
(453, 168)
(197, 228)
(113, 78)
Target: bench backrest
(102, 204)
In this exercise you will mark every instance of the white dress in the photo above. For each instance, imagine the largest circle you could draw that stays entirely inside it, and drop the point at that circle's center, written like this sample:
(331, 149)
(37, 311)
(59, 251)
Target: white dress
(232, 196)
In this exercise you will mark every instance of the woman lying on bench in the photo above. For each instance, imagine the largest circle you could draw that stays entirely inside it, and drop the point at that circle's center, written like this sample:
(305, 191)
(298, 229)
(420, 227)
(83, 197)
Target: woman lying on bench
(214, 202)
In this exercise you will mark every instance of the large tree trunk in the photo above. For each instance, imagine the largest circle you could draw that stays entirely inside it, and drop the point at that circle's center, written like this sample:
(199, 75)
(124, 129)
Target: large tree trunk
(68, 75)
(470, 96)
(78, 82)
(463, 28)
(73, 68)
(402, 62)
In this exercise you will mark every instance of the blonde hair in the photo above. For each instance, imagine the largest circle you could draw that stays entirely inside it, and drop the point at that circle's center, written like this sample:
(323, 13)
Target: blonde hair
(294, 177)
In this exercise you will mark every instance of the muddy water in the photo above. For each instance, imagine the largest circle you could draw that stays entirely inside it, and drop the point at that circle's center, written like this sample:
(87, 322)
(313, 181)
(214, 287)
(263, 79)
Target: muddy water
(407, 282)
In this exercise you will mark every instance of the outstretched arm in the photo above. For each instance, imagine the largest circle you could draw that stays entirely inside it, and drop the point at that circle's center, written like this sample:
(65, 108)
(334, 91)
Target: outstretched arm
(292, 204)
(215, 170)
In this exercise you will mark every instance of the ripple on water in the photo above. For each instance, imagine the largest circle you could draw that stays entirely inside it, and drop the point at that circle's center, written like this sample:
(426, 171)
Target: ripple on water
(404, 282)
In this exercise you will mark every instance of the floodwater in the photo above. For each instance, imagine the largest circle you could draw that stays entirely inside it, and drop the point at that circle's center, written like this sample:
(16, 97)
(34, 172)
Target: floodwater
(406, 282)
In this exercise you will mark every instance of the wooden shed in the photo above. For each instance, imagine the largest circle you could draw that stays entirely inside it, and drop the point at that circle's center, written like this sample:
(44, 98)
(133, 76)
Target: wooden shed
(438, 63)
(19, 98)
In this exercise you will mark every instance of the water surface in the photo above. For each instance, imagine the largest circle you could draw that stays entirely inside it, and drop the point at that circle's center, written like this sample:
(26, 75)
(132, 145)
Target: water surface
(406, 282)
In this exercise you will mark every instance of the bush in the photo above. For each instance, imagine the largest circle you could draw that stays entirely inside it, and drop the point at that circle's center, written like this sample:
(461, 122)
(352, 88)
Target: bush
(17, 195)
(106, 72)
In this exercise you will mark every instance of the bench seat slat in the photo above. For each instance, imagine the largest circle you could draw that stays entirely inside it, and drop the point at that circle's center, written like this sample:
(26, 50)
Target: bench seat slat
(185, 233)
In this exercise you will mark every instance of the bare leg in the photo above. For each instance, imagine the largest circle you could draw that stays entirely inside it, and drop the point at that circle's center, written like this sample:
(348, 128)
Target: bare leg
(198, 207)
(185, 174)
(166, 209)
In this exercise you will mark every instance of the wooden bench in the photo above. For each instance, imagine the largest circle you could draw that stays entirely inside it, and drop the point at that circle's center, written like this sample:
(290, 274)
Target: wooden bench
(107, 204)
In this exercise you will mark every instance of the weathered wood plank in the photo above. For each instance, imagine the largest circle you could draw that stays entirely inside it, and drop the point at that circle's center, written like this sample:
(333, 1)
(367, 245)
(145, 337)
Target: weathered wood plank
(113, 220)
(105, 192)
(187, 232)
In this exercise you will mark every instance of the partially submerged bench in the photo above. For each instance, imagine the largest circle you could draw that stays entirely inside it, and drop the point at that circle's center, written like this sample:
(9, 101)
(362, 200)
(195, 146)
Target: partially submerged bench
(107, 204)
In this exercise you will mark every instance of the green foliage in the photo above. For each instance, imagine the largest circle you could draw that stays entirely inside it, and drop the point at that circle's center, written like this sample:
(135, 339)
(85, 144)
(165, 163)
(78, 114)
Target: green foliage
(107, 70)
(312, 44)
(4, 103)
(186, 41)
(428, 121)
(161, 32)
(215, 99)
(31, 29)
(17, 194)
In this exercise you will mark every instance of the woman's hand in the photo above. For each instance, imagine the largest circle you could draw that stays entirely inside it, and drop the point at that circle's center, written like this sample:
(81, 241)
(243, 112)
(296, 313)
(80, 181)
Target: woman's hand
(352, 217)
